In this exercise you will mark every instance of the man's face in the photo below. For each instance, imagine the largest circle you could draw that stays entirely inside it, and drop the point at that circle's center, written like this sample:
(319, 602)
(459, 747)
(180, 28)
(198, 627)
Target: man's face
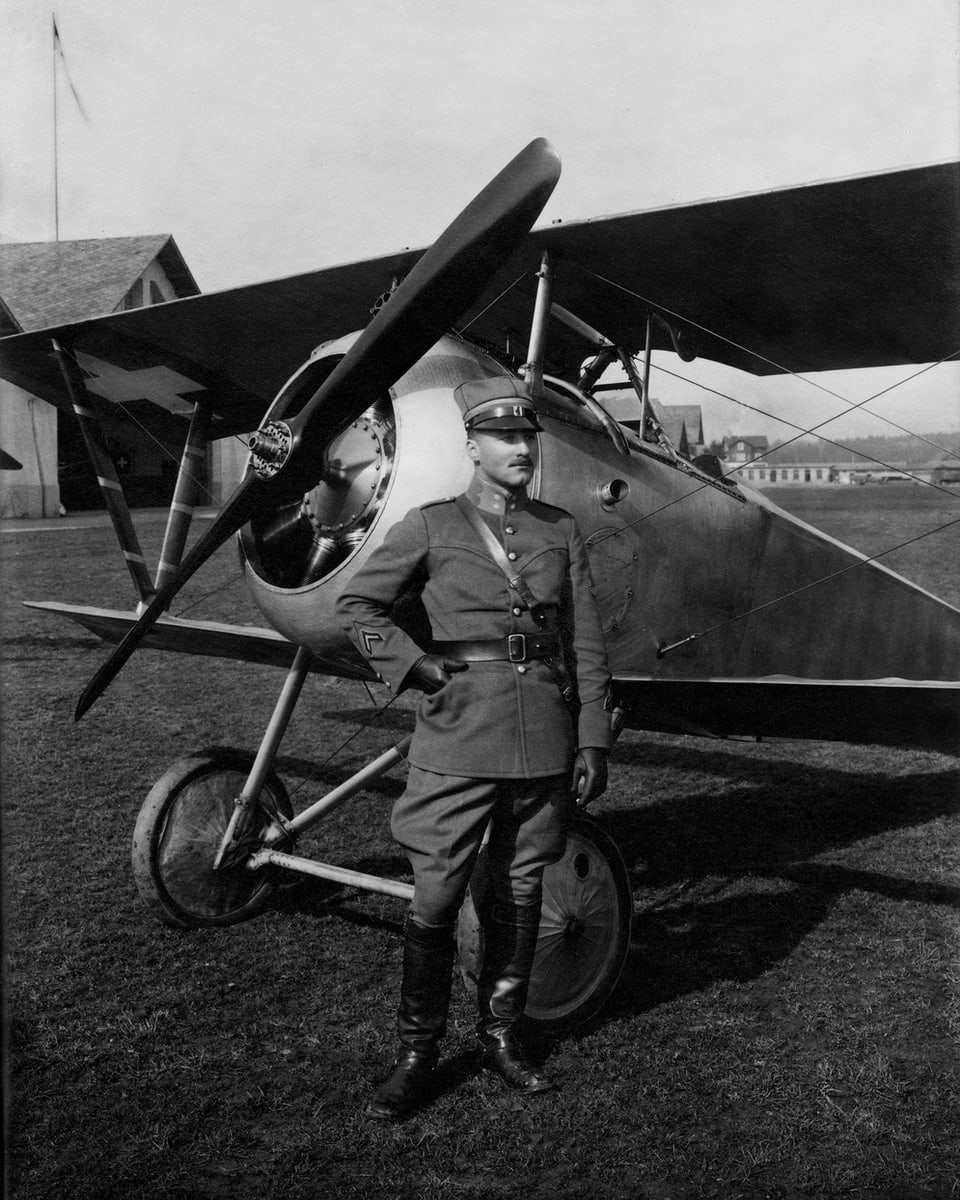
(504, 456)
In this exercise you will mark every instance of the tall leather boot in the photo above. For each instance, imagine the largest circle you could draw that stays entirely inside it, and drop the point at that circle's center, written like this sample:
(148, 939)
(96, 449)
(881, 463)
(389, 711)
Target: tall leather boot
(510, 942)
(428, 954)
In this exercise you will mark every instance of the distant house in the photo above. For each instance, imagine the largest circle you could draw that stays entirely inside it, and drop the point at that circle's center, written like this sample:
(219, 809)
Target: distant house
(742, 447)
(52, 283)
(684, 427)
(941, 470)
(682, 423)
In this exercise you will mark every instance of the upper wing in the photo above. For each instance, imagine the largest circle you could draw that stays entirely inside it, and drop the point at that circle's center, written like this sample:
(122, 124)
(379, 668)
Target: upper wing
(234, 349)
(854, 273)
(861, 272)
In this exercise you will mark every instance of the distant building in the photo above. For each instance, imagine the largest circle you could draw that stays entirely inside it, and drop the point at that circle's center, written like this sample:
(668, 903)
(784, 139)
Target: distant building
(870, 472)
(742, 447)
(942, 470)
(52, 283)
(683, 424)
(764, 474)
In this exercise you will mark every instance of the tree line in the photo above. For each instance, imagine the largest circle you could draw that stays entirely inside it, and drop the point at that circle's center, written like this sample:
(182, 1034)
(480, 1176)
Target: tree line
(903, 448)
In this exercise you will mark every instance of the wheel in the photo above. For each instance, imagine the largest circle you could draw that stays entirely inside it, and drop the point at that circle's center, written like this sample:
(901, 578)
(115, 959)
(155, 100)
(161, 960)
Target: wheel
(584, 934)
(178, 833)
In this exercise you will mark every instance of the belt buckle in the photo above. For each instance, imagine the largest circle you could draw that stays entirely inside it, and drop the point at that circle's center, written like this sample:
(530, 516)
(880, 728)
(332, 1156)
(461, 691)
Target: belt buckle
(517, 647)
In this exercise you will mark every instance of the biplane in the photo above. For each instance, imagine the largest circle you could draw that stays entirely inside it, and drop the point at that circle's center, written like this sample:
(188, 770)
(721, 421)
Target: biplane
(724, 615)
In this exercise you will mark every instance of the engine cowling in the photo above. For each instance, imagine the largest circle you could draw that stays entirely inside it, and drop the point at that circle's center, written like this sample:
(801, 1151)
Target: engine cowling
(407, 448)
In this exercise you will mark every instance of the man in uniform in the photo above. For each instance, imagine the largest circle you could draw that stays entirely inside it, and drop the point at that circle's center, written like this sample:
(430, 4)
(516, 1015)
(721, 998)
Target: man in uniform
(512, 727)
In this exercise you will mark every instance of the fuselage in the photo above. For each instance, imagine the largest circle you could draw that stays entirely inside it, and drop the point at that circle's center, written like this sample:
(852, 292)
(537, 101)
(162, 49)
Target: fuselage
(675, 553)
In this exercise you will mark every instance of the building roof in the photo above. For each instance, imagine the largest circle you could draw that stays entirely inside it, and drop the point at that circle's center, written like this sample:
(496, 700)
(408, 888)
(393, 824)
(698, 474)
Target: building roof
(758, 441)
(683, 418)
(683, 423)
(8, 322)
(50, 283)
(941, 461)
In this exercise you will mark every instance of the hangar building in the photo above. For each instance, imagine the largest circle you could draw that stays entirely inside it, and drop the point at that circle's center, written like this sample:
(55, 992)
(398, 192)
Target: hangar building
(51, 283)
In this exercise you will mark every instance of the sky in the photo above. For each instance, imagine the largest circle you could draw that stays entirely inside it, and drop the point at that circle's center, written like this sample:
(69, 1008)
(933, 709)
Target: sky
(276, 138)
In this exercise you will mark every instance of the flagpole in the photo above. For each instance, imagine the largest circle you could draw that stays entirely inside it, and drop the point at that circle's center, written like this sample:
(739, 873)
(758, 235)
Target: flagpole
(56, 163)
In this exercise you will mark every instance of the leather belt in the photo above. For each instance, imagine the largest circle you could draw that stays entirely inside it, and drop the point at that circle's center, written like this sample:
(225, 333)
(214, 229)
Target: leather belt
(515, 647)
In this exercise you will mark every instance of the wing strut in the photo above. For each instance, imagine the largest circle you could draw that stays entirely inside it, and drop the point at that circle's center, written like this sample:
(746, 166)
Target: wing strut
(442, 285)
(186, 495)
(103, 466)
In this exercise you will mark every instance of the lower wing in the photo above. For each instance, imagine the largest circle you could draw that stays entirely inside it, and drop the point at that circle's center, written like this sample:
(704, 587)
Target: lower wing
(242, 642)
(893, 712)
(896, 712)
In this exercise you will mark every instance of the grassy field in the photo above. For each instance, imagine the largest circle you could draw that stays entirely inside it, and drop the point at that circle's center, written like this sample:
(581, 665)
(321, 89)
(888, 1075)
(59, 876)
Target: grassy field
(786, 1025)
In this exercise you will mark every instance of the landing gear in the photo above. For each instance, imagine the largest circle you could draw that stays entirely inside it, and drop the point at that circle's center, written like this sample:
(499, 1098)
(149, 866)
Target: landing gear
(189, 819)
(178, 833)
(584, 929)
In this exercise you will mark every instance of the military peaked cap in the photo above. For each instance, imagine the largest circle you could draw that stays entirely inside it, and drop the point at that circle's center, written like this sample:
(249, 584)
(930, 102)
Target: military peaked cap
(498, 403)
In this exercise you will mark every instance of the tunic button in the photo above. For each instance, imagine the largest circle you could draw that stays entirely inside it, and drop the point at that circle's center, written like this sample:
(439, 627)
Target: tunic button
(517, 612)
(512, 555)
(521, 670)
(509, 529)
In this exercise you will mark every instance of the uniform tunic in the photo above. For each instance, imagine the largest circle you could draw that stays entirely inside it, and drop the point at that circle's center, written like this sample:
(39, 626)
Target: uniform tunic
(495, 720)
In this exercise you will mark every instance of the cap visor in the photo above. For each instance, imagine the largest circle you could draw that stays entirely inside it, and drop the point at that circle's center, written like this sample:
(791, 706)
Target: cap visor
(526, 424)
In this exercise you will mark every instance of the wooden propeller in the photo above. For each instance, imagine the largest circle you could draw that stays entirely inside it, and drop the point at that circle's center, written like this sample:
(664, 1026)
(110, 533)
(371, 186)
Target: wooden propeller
(442, 285)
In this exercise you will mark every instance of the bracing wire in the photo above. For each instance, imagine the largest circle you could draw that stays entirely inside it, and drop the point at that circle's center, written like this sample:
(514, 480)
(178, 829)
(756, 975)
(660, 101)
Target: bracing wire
(495, 300)
(778, 367)
(691, 637)
(212, 592)
(173, 458)
(803, 432)
(749, 462)
(377, 715)
(161, 446)
(852, 406)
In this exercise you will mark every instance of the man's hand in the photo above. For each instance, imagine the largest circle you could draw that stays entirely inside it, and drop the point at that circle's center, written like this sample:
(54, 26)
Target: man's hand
(431, 672)
(589, 775)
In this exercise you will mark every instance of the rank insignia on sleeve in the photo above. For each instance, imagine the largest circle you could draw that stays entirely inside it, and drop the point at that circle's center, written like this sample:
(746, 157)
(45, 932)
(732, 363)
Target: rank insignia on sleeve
(369, 637)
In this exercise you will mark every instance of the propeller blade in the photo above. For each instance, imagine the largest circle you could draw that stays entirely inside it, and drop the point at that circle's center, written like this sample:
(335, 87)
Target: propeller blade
(238, 510)
(442, 285)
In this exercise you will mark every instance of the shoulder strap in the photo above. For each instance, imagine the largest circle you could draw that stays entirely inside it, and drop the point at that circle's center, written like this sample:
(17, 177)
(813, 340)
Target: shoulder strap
(496, 552)
(561, 675)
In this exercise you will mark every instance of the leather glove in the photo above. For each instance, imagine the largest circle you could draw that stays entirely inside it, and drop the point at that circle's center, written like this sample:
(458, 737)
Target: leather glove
(589, 775)
(431, 672)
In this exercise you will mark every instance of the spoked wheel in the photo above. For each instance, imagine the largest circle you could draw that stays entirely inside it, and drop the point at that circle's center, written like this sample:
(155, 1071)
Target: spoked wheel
(178, 833)
(584, 934)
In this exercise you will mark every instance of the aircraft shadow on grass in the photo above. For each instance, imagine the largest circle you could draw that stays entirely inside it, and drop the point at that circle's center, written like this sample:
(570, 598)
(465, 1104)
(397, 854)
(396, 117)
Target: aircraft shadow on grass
(686, 855)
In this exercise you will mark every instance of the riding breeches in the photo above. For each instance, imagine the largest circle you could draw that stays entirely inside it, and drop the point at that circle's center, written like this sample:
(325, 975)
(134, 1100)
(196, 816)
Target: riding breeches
(440, 821)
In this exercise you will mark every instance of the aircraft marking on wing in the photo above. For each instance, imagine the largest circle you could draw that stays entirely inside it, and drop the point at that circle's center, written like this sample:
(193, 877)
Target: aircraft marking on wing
(158, 384)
